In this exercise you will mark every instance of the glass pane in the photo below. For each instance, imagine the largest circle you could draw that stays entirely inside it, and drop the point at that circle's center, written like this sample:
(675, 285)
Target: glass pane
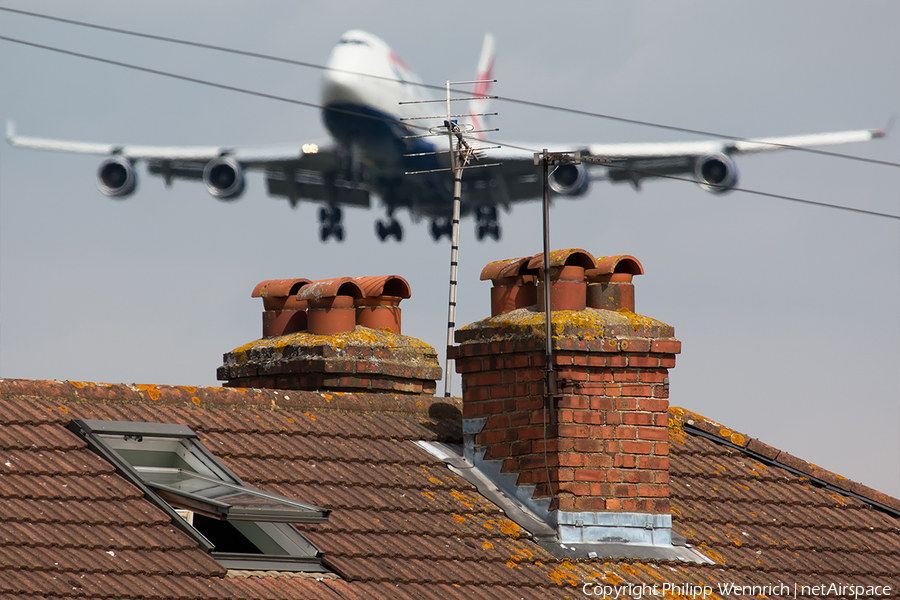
(226, 500)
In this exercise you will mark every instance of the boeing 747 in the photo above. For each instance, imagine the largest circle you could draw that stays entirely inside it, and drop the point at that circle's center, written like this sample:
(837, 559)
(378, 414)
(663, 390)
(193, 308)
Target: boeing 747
(365, 91)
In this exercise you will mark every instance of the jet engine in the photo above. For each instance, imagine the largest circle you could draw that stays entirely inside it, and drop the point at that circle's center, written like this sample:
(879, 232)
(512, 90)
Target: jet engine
(716, 173)
(570, 180)
(116, 177)
(224, 178)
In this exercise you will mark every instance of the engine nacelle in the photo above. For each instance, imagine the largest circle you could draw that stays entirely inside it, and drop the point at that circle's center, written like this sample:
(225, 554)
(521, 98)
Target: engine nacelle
(224, 178)
(716, 173)
(116, 177)
(570, 180)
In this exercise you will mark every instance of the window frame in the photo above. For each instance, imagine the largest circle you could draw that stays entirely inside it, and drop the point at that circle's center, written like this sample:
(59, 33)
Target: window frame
(273, 530)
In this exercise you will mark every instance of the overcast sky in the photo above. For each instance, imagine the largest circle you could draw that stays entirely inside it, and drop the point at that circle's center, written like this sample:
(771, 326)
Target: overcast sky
(789, 314)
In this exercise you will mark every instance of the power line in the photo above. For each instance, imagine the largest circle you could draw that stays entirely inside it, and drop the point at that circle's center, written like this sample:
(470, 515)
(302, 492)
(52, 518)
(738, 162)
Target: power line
(758, 193)
(530, 103)
(356, 114)
(205, 82)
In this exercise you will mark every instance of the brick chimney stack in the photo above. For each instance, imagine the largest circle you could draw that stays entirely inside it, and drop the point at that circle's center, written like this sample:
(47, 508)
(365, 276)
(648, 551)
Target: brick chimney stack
(604, 442)
(340, 335)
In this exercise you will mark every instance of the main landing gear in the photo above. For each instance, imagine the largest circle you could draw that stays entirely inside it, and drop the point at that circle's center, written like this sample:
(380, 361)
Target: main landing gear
(330, 223)
(390, 228)
(487, 223)
(440, 228)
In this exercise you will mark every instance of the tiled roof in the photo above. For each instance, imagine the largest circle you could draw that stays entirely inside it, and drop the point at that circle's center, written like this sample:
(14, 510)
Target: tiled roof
(403, 525)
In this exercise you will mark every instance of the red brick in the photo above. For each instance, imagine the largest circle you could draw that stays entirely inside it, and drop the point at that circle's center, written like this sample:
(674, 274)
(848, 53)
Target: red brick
(528, 375)
(653, 462)
(532, 433)
(599, 461)
(594, 360)
(653, 404)
(666, 346)
(638, 418)
(578, 488)
(625, 432)
(529, 403)
(601, 489)
(623, 375)
(629, 389)
(602, 432)
(653, 433)
(626, 490)
(498, 451)
(565, 474)
(589, 504)
(626, 404)
(652, 376)
(589, 417)
(579, 402)
(516, 419)
(650, 490)
(574, 431)
(567, 459)
(636, 447)
(500, 391)
(497, 422)
(590, 475)
(520, 447)
(589, 445)
(644, 361)
(602, 403)
(617, 361)
(637, 476)
(515, 361)
(634, 345)
(600, 376)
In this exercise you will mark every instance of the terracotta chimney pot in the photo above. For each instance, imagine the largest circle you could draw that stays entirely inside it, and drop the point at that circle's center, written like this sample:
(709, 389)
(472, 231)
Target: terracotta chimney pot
(609, 285)
(568, 288)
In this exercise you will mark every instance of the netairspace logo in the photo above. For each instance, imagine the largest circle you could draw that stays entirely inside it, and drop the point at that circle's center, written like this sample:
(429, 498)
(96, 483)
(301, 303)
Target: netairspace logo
(638, 591)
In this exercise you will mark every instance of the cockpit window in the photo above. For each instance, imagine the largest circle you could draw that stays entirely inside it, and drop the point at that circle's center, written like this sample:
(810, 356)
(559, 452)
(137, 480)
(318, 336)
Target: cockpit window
(353, 41)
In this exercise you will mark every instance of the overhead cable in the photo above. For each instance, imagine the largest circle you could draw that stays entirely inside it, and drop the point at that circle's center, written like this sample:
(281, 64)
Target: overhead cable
(533, 104)
(383, 119)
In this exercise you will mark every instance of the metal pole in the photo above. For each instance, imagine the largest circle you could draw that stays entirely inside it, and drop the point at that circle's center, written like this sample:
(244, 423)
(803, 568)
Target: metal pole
(454, 246)
(550, 387)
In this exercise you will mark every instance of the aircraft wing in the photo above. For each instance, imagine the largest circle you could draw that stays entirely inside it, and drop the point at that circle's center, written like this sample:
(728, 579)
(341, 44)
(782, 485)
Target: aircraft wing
(298, 172)
(709, 162)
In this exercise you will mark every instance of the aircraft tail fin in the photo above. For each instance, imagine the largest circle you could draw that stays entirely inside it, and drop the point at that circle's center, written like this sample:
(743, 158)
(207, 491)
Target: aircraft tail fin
(485, 74)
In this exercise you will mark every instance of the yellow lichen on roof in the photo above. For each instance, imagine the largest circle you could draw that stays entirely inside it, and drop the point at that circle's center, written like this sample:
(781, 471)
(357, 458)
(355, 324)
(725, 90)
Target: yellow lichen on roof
(638, 321)
(589, 323)
(361, 336)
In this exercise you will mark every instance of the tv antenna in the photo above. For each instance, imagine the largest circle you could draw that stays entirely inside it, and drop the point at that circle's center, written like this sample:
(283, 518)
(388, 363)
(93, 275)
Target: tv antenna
(464, 147)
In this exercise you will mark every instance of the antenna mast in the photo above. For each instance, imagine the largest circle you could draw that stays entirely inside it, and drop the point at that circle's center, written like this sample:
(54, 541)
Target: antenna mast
(461, 152)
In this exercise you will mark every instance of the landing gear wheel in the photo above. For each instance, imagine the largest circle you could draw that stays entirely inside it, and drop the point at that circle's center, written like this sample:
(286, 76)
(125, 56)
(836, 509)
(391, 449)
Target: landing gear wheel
(487, 223)
(440, 228)
(381, 230)
(396, 230)
(330, 223)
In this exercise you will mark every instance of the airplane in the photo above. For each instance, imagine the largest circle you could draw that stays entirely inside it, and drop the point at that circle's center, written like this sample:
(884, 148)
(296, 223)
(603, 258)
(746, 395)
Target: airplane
(366, 90)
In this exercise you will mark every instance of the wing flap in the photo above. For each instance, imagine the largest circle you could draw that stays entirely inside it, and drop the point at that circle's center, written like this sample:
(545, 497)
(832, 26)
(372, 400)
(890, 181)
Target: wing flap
(298, 184)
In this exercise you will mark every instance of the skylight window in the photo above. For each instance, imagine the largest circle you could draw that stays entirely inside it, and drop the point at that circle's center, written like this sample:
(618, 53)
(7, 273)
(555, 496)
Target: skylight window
(241, 526)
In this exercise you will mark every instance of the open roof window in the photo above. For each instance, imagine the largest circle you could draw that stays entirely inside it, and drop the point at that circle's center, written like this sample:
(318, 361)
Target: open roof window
(241, 526)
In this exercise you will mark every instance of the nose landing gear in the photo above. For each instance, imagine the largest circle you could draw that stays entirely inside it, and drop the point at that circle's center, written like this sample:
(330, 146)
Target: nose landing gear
(390, 228)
